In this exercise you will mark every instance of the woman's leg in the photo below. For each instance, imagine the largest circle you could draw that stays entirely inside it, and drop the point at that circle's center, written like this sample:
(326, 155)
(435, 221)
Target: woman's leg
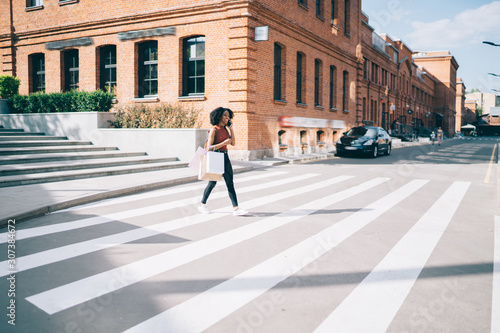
(228, 177)
(210, 186)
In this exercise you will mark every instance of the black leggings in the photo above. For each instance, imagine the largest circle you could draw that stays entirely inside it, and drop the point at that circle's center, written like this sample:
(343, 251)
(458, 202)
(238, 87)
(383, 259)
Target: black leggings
(228, 177)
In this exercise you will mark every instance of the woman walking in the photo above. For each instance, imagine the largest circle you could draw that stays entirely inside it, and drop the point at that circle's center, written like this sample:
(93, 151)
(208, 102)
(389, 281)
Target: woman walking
(440, 135)
(218, 139)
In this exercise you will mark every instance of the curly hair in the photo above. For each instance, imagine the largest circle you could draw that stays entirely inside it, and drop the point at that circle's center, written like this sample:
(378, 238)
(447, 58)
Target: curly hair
(216, 115)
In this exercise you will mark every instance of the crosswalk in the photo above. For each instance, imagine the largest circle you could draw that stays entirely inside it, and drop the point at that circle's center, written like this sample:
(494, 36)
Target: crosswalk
(99, 258)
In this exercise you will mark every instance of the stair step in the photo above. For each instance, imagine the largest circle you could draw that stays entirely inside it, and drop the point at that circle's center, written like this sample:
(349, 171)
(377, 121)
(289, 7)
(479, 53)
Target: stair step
(43, 143)
(30, 137)
(11, 130)
(19, 133)
(45, 167)
(39, 158)
(44, 150)
(81, 174)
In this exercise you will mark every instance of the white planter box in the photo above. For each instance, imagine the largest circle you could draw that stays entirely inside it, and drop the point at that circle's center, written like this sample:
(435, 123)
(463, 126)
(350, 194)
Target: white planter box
(94, 126)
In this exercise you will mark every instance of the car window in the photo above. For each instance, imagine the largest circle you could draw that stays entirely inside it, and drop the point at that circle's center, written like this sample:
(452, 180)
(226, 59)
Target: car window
(362, 131)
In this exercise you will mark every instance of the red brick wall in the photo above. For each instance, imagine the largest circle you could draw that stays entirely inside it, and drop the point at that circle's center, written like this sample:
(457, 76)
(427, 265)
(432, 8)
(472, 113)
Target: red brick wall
(239, 71)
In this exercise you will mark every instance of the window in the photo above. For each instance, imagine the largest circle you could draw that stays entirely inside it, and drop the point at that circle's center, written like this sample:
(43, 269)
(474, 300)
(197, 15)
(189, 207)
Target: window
(365, 68)
(303, 2)
(334, 12)
(319, 8)
(320, 137)
(38, 72)
(277, 72)
(34, 3)
(347, 17)
(71, 70)
(345, 91)
(281, 137)
(364, 109)
(333, 80)
(317, 82)
(108, 68)
(148, 69)
(303, 138)
(299, 77)
(194, 66)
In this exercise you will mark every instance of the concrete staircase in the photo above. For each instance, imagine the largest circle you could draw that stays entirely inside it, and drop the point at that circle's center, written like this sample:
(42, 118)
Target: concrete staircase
(33, 158)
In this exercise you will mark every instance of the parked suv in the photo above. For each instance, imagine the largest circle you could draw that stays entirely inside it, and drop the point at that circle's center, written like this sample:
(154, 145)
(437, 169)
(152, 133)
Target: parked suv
(367, 140)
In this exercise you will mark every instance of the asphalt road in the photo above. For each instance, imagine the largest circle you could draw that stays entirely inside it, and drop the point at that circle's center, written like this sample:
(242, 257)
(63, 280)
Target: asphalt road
(400, 243)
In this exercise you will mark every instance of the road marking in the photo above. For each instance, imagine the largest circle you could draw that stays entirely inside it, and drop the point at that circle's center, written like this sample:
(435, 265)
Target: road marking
(171, 191)
(97, 220)
(490, 166)
(238, 291)
(371, 307)
(72, 294)
(76, 249)
(495, 308)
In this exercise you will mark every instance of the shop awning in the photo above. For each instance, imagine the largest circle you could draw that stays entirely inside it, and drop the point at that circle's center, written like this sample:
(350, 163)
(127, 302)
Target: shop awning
(468, 126)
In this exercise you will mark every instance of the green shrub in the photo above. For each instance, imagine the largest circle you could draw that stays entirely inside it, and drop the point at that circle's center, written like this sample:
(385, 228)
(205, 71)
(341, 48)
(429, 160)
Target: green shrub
(164, 115)
(9, 86)
(72, 101)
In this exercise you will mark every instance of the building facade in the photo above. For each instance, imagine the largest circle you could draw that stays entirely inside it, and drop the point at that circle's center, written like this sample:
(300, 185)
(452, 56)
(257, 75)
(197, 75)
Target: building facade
(297, 73)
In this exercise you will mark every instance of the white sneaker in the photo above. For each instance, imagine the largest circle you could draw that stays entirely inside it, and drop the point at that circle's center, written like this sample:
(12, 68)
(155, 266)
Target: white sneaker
(203, 209)
(239, 212)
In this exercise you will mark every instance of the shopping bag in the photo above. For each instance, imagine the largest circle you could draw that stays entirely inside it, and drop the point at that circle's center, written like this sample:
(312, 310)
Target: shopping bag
(203, 174)
(195, 161)
(215, 162)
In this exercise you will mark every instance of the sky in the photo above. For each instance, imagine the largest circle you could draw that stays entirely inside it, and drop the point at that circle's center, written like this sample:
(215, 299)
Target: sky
(458, 26)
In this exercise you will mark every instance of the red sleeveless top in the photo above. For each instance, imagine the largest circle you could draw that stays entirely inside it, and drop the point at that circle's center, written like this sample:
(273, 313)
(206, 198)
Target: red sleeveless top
(221, 134)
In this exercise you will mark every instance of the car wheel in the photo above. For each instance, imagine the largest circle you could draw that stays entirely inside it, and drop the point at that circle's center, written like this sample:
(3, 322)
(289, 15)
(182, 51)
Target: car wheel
(375, 152)
(388, 151)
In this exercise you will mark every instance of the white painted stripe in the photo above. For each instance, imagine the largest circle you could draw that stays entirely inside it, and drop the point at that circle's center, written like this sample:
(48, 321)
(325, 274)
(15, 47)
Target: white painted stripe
(61, 298)
(97, 220)
(199, 313)
(372, 306)
(172, 191)
(76, 249)
(495, 308)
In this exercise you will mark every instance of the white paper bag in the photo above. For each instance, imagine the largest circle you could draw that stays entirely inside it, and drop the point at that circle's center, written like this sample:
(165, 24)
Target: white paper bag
(203, 175)
(215, 162)
(195, 161)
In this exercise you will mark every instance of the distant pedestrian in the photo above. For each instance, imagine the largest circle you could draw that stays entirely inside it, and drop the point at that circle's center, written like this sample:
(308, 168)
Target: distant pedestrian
(219, 137)
(433, 137)
(440, 135)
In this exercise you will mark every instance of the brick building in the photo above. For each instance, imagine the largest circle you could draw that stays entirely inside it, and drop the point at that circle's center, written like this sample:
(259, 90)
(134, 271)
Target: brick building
(297, 73)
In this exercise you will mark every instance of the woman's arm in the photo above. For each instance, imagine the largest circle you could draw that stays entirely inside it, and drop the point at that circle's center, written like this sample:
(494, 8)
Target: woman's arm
(211, 138)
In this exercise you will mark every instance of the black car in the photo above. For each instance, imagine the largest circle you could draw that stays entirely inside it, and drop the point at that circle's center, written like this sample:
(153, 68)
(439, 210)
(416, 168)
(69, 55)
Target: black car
(367, 140)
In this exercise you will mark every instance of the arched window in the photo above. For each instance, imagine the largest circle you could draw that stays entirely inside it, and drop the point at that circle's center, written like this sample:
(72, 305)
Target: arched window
(37, 73)
(318, 82)
(347, 17)
(71, 70)
(303, 137)
(148, 69)
(345, 91)
(320, 137)
(277, 72)
(193, 77)
(333, 88)
(107, 61)
(281, 138)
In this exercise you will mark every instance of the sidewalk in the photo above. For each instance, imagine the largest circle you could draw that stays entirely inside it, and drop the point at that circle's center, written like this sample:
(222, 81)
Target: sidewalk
(28, 201)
